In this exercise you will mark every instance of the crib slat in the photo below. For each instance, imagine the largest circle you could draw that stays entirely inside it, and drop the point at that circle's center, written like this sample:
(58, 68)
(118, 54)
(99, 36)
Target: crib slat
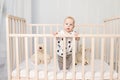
(119, 61)
(116, 52)
(22, 39)
(13, 26)
(97, 45)
(15, 31)
(55, 65)
(116, 45)
(92, 57)
(64, 59)
(45, 59)
(83, 59)
(26, 57)
(11, 43)
(45, 54)
(36, 58)
(111, 58)
(30, 40)
(118, 28)
(8, 44)
(105, 44)
(73, 59)
(102, 58)
(19, 39)
(51, 46)
(17, 60)
(22, 25)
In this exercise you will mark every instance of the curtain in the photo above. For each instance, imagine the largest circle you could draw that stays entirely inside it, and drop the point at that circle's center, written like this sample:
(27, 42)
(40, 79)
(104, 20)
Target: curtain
(1, 9)
(20, 8)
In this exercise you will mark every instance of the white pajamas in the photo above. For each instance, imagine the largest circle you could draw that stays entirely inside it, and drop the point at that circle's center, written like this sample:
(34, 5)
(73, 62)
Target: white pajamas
(68, 47)
(60, 43)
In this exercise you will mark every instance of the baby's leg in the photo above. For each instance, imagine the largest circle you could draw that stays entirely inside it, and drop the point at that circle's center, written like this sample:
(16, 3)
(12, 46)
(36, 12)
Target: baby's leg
(68, 61)
(60, 62)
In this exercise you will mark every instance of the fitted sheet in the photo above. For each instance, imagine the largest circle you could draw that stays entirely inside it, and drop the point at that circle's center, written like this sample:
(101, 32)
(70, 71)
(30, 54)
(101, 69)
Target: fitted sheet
(69, 74)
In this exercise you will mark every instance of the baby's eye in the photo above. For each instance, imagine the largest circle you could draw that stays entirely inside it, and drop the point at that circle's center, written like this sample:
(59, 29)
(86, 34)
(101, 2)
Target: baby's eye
(71, 24)
(66, 23)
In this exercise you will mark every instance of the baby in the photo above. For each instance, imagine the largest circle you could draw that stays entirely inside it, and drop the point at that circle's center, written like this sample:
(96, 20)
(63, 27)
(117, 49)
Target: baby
(69, 24)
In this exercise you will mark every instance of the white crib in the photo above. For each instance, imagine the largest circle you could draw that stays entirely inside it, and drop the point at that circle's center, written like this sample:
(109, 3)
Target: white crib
(103, 39)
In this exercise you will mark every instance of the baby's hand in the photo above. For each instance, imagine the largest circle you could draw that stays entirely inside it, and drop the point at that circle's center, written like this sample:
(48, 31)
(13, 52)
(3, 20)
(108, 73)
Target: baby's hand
(76, 37)
(55, 33)
(76, 34)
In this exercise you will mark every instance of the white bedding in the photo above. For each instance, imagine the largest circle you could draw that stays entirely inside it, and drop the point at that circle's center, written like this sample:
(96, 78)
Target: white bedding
(88, 73)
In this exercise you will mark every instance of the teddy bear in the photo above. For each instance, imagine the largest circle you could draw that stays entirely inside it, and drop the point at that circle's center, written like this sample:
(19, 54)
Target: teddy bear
(78, 56)
(40, 55)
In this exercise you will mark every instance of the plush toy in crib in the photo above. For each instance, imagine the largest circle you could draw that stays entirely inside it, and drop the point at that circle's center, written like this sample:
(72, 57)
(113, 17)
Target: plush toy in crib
(78, 58)
(40, 55)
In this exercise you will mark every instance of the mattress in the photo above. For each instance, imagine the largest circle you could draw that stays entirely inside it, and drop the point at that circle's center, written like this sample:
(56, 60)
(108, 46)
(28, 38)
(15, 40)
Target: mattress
(88, 72)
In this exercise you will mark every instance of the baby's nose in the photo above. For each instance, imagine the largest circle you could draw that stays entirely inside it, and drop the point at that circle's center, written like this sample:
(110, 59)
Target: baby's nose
(40, 47)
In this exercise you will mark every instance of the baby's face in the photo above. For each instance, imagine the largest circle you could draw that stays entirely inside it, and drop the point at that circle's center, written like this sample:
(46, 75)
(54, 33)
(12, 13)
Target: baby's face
(68, 25)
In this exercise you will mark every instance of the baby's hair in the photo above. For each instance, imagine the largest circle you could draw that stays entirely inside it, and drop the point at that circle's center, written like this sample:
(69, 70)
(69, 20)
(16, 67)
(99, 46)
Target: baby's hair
(69, 17)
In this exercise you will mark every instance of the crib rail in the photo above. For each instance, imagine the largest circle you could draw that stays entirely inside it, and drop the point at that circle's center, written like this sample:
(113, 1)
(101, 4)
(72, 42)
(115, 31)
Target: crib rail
(51, 35)
(22, 40)
(112, 19)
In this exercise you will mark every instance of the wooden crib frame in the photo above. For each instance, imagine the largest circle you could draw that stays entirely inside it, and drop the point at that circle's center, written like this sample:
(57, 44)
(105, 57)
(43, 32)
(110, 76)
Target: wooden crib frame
(17, 46)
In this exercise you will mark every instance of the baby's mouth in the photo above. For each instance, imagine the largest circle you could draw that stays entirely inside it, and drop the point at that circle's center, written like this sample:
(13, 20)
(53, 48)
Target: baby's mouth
(68, 28)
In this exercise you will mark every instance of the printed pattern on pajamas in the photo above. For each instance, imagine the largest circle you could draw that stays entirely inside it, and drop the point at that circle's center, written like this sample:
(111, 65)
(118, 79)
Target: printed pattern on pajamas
(60, 50)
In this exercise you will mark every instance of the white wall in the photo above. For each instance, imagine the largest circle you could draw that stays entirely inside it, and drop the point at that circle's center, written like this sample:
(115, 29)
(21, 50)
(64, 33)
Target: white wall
(84, 11)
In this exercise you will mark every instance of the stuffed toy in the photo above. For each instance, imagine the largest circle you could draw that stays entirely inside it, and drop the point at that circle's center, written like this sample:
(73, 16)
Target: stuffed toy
(78, 58)
(40, 55)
